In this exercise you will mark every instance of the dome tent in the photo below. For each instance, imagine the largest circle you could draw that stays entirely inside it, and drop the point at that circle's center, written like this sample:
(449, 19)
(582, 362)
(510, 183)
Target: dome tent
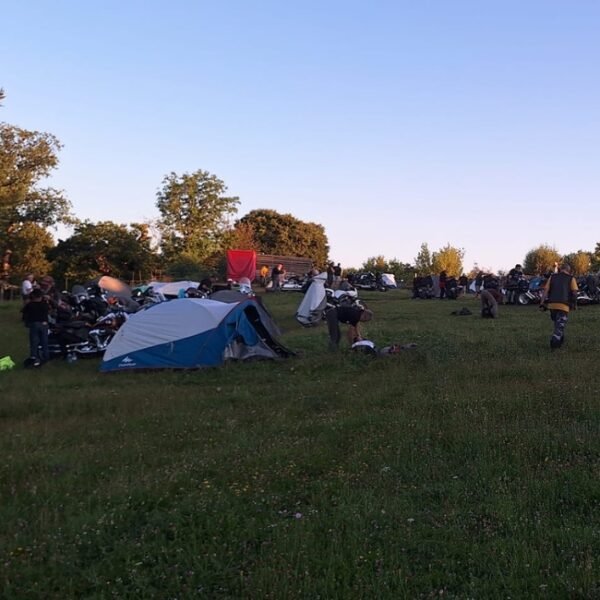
(190, 333)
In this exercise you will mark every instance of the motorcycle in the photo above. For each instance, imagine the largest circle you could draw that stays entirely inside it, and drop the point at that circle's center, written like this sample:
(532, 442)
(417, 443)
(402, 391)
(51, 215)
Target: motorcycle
(589, 292)
(423, 288)
(532, 294)
(76, 338)
(294, 284)
(369, 281)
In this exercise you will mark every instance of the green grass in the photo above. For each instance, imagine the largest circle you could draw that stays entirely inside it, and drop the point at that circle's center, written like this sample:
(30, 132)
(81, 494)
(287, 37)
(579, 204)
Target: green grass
(466, 468)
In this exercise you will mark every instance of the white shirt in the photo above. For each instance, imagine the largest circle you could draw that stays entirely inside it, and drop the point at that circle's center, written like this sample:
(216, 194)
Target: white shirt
(26, 287)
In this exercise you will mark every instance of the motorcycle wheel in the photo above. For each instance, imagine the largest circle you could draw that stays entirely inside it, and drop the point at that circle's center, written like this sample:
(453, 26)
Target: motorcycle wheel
(523, 299)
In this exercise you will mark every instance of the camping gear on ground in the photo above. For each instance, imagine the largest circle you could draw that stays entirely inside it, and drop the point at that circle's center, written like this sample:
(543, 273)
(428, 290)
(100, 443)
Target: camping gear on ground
(364, 346)
(190, 333)
(368, 347)
(463, 312)
(6, 363)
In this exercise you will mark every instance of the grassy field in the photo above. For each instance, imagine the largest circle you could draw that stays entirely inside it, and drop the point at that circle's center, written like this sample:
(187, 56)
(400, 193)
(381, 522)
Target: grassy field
(468, 467)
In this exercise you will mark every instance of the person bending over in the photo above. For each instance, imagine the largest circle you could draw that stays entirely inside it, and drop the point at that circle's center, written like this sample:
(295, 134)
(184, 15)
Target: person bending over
(352, 316)
(489, 303)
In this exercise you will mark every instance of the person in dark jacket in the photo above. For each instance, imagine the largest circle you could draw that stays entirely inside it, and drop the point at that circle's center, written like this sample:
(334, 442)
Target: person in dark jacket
(35, 316)
(560, 295)
(443, 280)
(350, 315)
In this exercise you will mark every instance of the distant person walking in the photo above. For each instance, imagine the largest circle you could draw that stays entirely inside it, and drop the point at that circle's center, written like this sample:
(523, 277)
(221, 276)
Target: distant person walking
(560, 294)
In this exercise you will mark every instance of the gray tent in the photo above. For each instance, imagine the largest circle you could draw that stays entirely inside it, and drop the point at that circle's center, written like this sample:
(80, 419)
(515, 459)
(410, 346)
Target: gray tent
(310, 311)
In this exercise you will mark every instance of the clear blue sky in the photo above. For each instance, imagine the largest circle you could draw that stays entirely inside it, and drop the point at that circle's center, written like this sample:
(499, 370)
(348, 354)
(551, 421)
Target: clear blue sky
(390, 123)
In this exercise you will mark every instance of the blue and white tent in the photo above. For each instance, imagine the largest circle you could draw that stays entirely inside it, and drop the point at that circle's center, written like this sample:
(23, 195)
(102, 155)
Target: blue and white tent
(190, 333)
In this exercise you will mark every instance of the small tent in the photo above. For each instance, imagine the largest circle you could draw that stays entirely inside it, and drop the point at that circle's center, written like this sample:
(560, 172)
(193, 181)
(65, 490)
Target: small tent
(310, 311)
(190, 333)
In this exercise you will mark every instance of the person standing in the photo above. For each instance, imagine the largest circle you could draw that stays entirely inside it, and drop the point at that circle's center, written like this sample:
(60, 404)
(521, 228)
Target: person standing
(512, 283)
(337, 276)
(560, 294)
(264, 272)
(276, 275)
(330, 275)
(442, 282)
(478, 283)
(35, 315)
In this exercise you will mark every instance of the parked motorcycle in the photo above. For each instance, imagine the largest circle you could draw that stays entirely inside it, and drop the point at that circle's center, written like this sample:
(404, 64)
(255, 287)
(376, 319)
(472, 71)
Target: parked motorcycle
(533, 293)
(368, 281)
(76, 338)
(589, 292)
(423, 288)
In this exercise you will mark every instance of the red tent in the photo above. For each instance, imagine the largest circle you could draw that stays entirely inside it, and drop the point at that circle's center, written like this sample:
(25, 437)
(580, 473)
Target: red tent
(241, 263)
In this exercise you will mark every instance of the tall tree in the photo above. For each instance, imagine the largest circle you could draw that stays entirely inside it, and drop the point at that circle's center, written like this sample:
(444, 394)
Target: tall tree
(595, 257)
(30, 245)
(194, 214)
(424, 261)
(580, 262)
(26, 158)
(104, 248)
(242, 237)
(376, 263)
(541, 259)
(284, 234)
(448, 259)
(402, 271)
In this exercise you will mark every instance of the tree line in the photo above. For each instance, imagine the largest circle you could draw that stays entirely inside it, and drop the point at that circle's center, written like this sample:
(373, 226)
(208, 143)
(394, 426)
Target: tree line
(197, 223)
